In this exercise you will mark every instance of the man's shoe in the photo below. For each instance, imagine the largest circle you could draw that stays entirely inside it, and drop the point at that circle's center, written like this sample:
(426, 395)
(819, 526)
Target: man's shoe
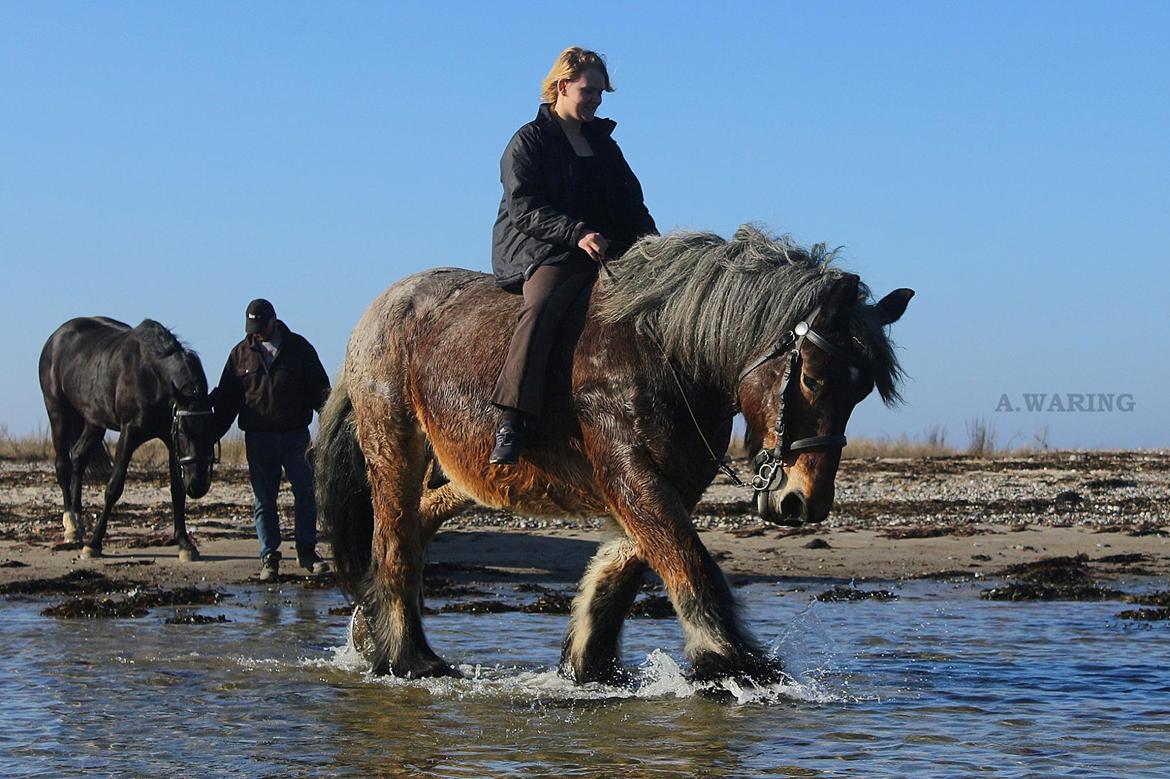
(509, 442)
(270, 567)
(312, 562)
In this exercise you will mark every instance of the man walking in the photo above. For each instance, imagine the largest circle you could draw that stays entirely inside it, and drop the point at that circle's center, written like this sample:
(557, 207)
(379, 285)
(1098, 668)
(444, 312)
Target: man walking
(274, 381)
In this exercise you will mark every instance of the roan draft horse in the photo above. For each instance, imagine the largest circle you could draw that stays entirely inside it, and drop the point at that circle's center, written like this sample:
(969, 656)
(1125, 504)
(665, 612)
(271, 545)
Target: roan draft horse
(98, 374)
(693, 329)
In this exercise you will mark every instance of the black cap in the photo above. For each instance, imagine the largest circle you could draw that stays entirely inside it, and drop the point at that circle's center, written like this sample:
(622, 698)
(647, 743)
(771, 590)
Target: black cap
(260, 313)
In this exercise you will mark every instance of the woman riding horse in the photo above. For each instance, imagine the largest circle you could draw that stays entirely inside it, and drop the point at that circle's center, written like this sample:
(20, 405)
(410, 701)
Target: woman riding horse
(693, 330)
(570, 200)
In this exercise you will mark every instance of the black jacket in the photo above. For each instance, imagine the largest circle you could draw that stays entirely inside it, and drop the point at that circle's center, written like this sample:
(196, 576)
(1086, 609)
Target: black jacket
(279, 398)
(539, 213)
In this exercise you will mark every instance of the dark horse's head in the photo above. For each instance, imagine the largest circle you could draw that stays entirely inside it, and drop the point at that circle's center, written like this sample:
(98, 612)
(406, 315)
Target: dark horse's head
(798, 401)
(781, 333)
(184, 385)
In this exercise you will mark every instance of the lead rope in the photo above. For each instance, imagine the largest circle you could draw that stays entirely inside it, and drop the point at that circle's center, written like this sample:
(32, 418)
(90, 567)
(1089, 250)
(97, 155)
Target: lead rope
(721, 463)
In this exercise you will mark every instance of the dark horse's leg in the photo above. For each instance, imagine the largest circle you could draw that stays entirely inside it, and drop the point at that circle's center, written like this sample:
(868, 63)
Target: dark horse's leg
(187, 551)
(390, 605)
(656, 519)
(129, 440)
(91, 436)
(65, 425)
(610, 584)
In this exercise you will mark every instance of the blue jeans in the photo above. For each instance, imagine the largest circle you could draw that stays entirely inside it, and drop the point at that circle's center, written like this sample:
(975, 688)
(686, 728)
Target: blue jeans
(268, 453)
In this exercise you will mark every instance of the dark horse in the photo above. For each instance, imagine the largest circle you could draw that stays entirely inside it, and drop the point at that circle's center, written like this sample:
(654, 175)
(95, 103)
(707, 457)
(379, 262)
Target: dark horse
(690, 320)
(98, 374)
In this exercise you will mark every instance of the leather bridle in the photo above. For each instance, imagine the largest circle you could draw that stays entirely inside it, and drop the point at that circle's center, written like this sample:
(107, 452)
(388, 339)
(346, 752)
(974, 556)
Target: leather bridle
(177, 414)
(770, 462)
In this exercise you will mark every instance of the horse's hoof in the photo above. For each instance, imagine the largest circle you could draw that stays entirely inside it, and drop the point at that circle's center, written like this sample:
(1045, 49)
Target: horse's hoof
(72, 527)
(90, 552)
(424, 668)
(189, 555)
(610, 674)
(747, 669)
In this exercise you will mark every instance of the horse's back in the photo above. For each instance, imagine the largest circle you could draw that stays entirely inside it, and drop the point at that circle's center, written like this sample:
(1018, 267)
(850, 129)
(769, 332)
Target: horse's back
(75, 358)
(409, 309)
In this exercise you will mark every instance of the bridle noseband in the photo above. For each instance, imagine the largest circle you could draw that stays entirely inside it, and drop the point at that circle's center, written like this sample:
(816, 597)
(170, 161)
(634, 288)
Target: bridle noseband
(177, 414)
(770, 462)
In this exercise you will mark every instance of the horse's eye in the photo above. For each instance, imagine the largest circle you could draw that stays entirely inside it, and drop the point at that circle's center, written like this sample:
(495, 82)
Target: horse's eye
(812, 384)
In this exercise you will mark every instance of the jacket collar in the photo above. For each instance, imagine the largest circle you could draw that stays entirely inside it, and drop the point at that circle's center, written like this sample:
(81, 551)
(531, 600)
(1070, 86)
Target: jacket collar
(281, 335)
(600, 127)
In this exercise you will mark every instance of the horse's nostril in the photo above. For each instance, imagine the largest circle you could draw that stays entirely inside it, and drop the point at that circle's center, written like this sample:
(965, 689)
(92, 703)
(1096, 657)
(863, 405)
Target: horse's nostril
(792, 505)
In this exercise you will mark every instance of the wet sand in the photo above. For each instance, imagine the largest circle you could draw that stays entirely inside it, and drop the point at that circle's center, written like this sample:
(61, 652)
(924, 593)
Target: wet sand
(894, 519)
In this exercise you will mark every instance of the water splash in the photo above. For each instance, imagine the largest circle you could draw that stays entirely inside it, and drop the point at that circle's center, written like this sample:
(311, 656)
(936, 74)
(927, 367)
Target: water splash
(658, 676)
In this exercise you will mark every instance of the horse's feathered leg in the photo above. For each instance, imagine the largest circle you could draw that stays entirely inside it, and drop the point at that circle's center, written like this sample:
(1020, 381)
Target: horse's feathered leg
(654, 516)
(390, 605)
(129, 440)
(591, 652)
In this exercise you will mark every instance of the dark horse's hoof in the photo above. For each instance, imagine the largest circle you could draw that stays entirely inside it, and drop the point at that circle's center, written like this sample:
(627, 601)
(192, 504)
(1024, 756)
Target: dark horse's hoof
(189, 555)
(746, 669)
(611, 674)
(419, 668)
(90, 552)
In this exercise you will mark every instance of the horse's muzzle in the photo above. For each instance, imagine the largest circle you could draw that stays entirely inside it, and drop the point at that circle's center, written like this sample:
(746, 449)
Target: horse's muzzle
(787, 507)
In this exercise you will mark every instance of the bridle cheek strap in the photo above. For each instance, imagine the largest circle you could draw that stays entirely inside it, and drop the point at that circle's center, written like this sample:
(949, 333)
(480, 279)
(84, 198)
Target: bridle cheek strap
(178, 413)
(770, 462)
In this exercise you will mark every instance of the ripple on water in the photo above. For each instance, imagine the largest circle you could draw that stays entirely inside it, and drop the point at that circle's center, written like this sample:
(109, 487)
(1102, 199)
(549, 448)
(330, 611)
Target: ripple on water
(939, 685)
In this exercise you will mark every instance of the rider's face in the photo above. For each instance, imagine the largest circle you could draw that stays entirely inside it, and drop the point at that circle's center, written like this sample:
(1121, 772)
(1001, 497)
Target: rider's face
(579, 99)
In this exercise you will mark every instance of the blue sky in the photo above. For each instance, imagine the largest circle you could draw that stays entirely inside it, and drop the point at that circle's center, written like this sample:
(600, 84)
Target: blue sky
(1009, 161)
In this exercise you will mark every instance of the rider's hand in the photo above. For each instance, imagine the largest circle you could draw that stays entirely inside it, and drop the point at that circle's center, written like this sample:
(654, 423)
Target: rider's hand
(595, 245)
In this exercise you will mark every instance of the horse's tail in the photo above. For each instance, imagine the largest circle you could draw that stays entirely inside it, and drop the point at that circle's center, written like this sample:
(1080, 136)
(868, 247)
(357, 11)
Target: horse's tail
(343, 490)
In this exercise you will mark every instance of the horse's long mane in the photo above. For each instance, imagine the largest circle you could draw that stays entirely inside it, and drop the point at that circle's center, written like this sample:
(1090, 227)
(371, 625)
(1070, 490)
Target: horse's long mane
(717, 304)
(166, 348)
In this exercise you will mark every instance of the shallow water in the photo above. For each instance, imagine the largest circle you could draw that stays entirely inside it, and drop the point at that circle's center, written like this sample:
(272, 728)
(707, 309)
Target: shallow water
(937, 683)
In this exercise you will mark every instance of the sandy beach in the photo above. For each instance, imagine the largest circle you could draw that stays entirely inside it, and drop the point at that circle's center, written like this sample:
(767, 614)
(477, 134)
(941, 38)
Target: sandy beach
(893, 519)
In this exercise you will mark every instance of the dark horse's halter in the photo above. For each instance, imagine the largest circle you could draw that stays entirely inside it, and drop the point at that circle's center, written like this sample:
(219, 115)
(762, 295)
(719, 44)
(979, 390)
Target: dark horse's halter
(179, 413)
(770, 462)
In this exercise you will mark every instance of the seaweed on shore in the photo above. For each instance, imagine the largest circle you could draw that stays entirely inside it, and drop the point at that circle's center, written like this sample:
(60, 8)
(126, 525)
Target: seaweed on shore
(550, 603)
(1146, 615)
(1023, 591)
(652, 607)
(196, 619)
(843, 594)
(1161, 598)
(79, 582)
(137, 604)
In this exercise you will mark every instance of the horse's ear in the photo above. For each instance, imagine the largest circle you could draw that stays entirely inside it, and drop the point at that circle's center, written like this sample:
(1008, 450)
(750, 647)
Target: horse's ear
(892, 306)
(841, 298)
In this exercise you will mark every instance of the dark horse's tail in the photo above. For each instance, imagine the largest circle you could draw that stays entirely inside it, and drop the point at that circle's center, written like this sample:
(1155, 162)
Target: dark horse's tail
(343, 490)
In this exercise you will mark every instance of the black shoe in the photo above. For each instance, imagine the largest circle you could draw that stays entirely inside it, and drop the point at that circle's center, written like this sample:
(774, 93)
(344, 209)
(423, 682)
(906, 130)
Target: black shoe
(311, 561)
(509, 442)
(270, 567)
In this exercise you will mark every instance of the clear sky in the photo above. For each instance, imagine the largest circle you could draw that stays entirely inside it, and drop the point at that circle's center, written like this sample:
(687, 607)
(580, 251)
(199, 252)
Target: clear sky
(1009, 161)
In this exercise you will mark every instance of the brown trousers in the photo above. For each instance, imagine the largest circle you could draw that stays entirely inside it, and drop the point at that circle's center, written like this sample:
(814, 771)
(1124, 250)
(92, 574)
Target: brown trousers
(556, 303)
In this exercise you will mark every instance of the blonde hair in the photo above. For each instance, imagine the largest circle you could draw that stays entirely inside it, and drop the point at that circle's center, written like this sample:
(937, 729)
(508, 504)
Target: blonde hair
(569, 65)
